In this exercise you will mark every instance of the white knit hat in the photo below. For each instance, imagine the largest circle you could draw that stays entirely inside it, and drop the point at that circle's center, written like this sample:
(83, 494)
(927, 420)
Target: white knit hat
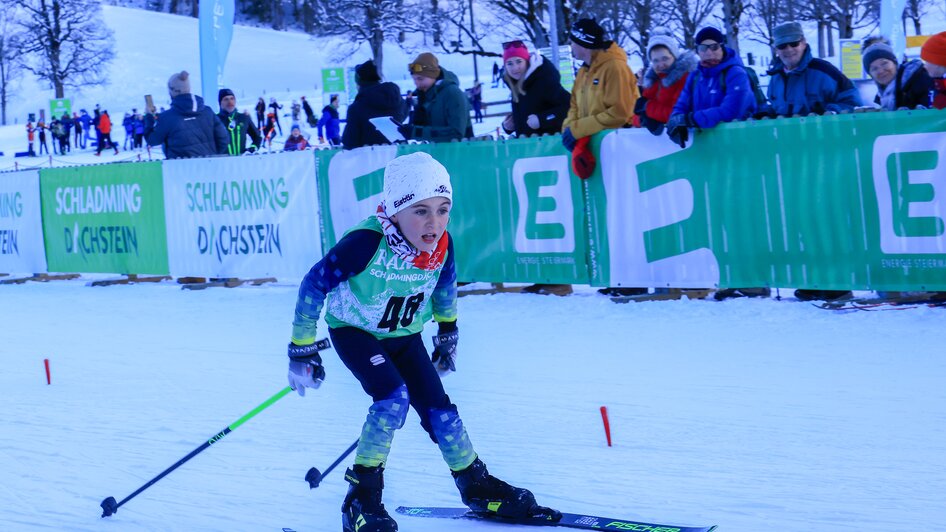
(412, 178)
(661, 36)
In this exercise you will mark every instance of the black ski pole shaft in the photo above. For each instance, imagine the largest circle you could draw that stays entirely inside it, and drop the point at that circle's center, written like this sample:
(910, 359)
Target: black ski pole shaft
(110, 506)
(314, 476)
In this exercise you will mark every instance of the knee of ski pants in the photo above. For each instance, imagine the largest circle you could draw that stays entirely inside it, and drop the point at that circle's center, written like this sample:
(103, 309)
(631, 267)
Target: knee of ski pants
(392, 409)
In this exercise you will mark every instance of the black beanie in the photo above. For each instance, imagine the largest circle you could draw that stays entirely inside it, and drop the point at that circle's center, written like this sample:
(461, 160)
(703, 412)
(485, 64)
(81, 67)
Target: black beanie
(588, 34)
(224, 93)
(710, 33)
(366, 73)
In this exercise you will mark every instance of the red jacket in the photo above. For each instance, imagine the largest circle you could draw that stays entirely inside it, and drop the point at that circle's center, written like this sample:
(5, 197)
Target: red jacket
(662, 92)
(939, 93)
(105, 124)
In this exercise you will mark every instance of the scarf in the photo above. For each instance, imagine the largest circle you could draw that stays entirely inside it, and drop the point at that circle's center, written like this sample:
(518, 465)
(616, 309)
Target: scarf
(403, 249)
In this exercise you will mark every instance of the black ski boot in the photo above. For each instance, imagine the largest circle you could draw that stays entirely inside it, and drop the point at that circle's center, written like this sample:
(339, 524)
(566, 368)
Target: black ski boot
(484, 493)
(362, 510)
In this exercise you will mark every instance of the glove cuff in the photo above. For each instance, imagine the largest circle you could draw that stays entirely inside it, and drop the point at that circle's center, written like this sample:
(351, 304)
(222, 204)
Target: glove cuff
(446, 338)
(444, 327)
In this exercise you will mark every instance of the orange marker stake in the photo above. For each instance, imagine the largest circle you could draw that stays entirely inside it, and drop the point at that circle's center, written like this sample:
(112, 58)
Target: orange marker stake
(46, 362)
(607, 425)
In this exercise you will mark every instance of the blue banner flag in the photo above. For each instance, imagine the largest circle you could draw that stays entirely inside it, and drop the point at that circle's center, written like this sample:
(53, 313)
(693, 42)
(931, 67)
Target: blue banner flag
(216, 31)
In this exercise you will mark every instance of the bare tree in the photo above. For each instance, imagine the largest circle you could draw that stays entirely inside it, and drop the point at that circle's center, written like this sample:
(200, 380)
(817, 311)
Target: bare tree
(915, 10)
(690, 15)
(65, 42)
(371, 21)
(733, 10)
(528, 14)
(10, 64)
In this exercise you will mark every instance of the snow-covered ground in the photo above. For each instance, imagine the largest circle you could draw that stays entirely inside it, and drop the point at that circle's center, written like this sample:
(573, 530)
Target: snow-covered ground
(750, 414)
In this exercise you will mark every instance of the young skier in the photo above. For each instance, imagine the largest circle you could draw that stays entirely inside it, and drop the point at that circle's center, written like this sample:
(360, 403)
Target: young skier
(383, 280)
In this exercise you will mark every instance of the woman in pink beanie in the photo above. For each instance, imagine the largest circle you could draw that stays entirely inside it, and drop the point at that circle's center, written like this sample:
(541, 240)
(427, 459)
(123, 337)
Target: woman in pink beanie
(539, 102)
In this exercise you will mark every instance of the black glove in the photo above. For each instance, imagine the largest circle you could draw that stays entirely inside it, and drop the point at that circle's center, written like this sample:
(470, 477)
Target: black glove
(640, 106)
(445, 352)
(656, 128)
(568, 140)
(679, 135)
(305, 366)
(406, 130)
(681, 120)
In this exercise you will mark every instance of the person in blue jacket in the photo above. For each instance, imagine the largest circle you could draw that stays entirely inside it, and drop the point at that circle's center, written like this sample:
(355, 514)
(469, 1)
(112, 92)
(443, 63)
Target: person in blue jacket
(717, 91)
(801, 84)
(189, 128)
(330, 122)
(375, 99)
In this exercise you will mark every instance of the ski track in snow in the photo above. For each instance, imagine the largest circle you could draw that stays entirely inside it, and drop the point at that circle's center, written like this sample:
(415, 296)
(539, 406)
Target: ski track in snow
(749, 414)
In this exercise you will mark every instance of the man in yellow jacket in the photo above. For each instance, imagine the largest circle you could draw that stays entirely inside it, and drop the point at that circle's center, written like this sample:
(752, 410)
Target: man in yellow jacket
(605, 88)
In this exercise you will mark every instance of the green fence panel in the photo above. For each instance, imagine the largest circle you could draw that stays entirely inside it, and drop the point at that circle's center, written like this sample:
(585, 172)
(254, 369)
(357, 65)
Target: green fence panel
(104, 219)
(517, 213)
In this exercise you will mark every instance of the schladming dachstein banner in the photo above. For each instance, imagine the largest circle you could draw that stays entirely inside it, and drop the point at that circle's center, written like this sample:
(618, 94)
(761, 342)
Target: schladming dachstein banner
(21, 224)
(247, 217)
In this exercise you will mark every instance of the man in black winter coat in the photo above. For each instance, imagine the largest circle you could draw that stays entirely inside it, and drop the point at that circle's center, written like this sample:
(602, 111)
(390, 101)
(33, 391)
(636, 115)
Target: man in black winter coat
(238, 125)
(374, 99)
(189, 128)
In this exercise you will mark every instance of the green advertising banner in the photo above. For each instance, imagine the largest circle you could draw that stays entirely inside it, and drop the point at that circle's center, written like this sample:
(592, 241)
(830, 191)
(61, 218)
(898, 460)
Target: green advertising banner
(59, 107)
(104, 219)
(516, 216)
(333, 80)
(838, 202)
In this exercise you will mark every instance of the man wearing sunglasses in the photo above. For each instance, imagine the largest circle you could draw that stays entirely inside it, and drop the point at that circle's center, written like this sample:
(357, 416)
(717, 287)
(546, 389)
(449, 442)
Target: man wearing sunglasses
(801, 84)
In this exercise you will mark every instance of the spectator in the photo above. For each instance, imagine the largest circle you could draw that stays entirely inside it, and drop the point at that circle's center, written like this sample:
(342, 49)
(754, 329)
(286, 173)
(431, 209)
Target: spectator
(139, 126)
(269, 130)
(603, 98)
(30, 137)
(274, 105)
(67, 124)
(933, 54)
(801, 84)
(717, 91)
(189, 128)
(330, 124)
(104, 127)
(77, 125)
(296, 111)
(898, 87)
(295, 141)
(260, 113)
(86, 121)
(476, 98)
(237, 124)
(309, 114)
(57, 131)
(539, 102)
(496, 76)
(41, 128)
(663, 80)
(374, 99)
(442, 111)
(409, 103)
(129, 132)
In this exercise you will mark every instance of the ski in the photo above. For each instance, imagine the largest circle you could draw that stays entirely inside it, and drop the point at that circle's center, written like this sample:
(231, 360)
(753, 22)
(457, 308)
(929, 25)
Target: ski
(567, 520)
(895, 303)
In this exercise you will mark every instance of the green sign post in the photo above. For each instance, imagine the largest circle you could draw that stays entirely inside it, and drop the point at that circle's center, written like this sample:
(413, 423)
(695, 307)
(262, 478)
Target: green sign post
(59, 107)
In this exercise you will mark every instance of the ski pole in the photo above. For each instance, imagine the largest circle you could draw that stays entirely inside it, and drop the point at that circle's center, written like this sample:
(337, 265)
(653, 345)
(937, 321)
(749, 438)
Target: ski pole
(110, 506)
(314, 477)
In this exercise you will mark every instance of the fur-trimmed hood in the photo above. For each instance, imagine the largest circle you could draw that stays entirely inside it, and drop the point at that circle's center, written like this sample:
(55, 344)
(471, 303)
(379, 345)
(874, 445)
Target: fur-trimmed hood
(684, 64)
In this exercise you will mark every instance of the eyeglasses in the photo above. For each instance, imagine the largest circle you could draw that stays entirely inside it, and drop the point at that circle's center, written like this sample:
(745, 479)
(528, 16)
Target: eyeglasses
(711, 47)
(513, 44)
(793, 44)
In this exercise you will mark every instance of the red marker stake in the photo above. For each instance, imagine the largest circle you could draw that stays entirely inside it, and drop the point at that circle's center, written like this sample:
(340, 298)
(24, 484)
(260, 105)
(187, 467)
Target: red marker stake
(607, 425)
(48, 381)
